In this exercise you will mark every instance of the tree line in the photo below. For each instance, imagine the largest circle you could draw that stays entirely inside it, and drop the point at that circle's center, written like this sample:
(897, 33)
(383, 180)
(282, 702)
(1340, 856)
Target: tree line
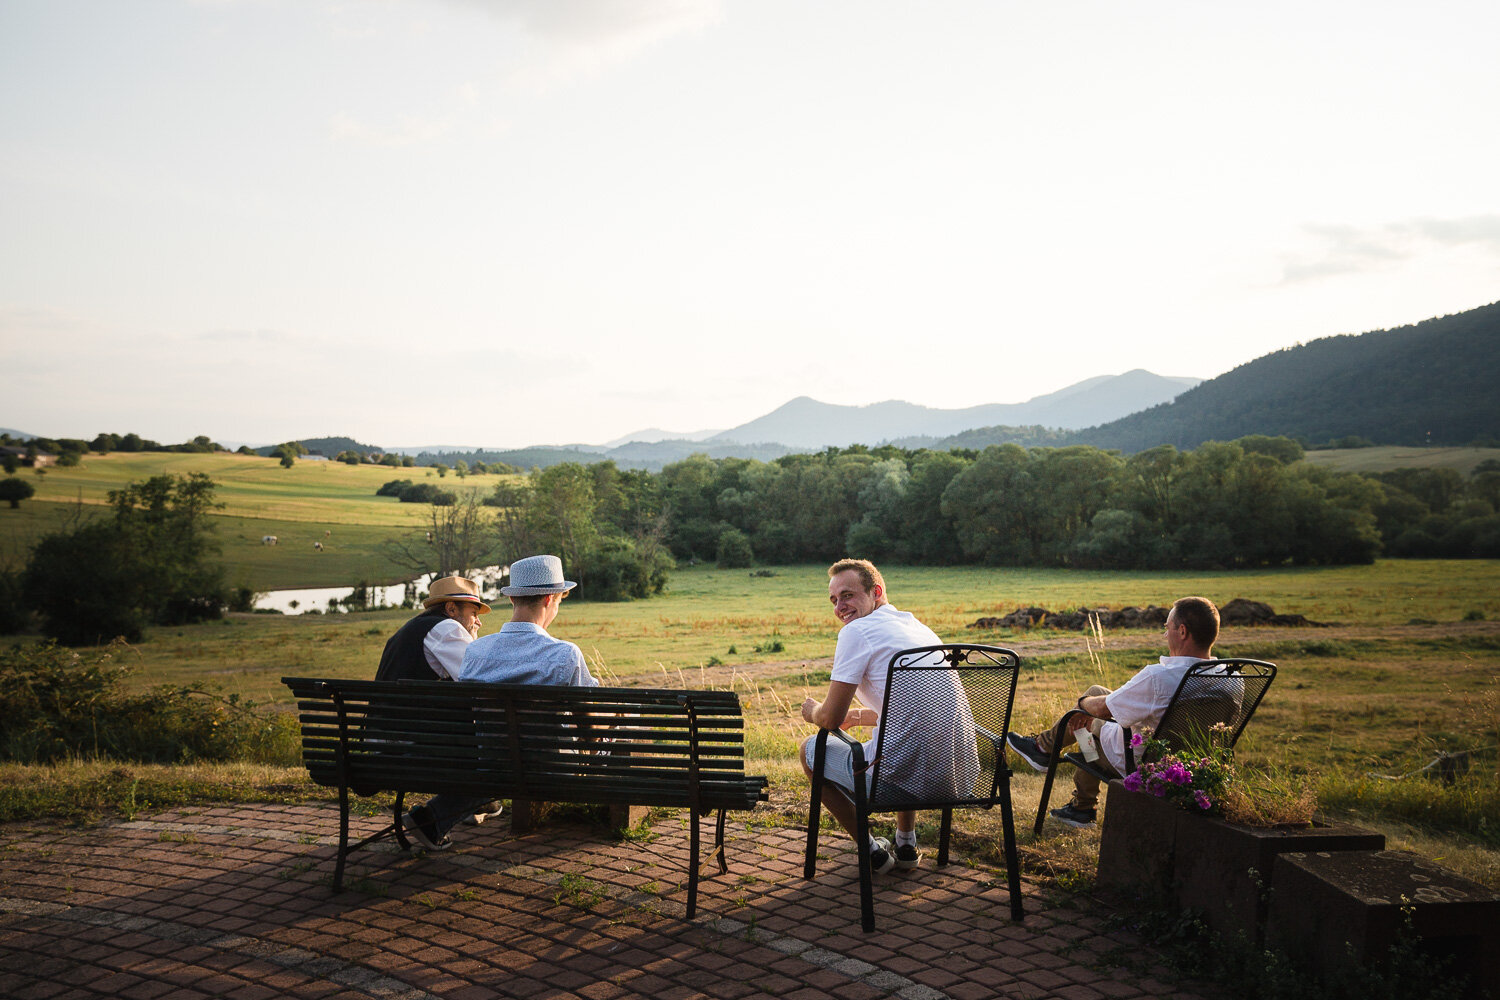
(1244, 503)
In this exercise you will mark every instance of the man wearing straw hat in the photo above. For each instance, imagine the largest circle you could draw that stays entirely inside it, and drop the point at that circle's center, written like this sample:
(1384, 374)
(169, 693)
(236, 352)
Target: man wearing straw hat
(520, 653)
(431, 646)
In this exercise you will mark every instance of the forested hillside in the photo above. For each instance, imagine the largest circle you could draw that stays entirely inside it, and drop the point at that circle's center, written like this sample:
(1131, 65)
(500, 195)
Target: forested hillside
(1432, 383)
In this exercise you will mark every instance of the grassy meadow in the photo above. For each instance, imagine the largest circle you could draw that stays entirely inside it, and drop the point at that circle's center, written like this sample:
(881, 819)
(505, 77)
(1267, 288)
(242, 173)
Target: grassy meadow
(1387, 457)
(1407, 665)
(327, 502)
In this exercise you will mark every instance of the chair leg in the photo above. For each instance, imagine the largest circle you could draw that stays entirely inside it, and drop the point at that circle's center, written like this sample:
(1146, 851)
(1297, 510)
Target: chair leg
(814, 817)
(944, 836)
(866, 876)
(1012, 857)
(1041, 809)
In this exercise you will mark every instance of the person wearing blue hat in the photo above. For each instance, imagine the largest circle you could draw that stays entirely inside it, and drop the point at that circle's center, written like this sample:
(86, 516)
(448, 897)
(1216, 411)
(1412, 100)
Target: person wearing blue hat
(522, 652)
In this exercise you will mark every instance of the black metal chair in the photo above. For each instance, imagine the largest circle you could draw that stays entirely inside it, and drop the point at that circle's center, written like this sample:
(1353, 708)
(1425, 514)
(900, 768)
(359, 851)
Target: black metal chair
(1212, 692)
(945, 766)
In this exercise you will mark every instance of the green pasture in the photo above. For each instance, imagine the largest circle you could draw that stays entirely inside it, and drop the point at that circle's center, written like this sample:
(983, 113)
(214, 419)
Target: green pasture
(327, 502)
(255, 487)
(1385, 458)
(706, 612)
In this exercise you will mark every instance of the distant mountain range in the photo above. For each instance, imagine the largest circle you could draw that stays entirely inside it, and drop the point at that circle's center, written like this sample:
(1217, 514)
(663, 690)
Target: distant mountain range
(808, 425)
(1434, 382)
(805, 424)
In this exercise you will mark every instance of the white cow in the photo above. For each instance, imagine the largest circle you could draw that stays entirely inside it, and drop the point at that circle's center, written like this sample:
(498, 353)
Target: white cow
(268, 539)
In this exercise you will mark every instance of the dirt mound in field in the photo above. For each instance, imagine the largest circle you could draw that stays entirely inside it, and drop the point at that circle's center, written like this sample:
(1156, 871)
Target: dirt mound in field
(1237, 612)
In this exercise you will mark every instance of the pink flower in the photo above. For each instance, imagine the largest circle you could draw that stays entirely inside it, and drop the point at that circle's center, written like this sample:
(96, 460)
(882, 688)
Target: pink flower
(1137, 741)
(1204, 802)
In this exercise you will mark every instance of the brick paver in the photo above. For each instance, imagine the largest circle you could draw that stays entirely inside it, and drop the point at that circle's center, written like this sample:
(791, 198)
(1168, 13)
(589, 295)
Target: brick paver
(236, 902)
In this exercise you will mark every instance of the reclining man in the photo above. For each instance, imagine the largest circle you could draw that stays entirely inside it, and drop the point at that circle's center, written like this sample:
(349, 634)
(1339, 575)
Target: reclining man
(522, 652)
(1192, 629)
(933, 753)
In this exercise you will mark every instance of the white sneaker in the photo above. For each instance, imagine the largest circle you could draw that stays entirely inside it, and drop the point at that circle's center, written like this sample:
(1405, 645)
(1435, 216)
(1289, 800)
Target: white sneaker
(490, 810)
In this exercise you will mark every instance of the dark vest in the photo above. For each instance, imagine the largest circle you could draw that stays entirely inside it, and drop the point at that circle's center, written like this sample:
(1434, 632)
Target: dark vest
(404, 659)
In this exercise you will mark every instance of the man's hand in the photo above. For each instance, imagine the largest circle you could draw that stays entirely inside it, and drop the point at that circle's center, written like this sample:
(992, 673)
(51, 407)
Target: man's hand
(809, 706)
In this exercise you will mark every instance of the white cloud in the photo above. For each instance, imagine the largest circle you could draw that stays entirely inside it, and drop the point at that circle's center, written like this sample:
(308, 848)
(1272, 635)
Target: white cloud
(1354, 250)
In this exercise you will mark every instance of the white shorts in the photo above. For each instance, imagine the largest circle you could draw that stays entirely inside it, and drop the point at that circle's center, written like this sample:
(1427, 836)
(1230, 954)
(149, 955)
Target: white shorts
(838, 764)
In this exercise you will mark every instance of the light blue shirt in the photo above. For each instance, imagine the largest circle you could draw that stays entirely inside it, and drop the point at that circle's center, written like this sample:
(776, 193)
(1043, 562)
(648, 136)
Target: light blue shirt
(523, 653)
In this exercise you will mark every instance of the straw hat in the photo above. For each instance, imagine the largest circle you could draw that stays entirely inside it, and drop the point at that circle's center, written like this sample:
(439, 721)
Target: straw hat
(454, 588)
(535, 576)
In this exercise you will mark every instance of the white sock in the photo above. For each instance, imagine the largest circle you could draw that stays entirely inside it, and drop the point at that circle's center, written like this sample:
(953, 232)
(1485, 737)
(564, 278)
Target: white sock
(906, 838)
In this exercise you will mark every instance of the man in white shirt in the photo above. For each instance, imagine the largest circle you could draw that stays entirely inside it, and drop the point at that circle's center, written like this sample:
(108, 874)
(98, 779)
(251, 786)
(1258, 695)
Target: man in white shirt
(1192, 629)
(522, 652)
(872, 632)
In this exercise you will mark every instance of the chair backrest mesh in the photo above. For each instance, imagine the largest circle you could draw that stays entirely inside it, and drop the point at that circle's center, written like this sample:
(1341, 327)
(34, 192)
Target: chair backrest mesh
(1214, 701)
(942, 732)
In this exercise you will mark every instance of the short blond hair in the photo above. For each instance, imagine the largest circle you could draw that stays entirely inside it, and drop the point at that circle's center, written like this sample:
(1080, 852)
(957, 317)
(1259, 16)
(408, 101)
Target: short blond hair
(869, 576)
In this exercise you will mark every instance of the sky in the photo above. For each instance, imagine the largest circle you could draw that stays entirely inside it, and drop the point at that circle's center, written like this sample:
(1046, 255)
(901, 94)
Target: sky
(496, 224)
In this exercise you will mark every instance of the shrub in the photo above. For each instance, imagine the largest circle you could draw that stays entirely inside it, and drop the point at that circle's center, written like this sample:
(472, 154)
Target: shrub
(734, 550)
(59, 704)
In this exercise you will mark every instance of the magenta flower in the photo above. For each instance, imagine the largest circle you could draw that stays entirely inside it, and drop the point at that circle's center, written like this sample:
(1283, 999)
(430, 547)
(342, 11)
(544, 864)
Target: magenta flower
(1204, 802)
(1137, 741)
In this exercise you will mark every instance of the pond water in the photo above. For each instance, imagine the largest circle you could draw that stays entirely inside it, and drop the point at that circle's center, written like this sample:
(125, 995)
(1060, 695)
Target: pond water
(335, 599)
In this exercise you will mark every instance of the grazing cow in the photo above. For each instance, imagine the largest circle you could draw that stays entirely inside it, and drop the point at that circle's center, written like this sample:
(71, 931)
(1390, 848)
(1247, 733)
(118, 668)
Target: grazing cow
(318, 546)
(268, 539)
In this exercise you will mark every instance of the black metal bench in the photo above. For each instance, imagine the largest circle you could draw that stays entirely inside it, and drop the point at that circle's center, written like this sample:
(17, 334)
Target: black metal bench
(528, 743)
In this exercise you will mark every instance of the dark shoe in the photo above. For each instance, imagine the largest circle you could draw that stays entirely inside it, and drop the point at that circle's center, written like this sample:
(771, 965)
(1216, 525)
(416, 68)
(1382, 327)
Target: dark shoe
(423, 829)
(907, 857)
(1071, 815)
(881, 860)
(1029, 751)
(490, 810)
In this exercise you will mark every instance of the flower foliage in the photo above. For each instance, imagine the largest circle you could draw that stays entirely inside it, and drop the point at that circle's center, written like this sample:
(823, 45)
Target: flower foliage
(1192, 779)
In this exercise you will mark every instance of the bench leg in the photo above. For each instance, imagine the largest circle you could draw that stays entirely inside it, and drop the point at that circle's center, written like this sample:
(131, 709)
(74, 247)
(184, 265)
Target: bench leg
(719, 844)
(338, 868)
(693, 863)
(623, 817)
(522, 815)
(396, 823)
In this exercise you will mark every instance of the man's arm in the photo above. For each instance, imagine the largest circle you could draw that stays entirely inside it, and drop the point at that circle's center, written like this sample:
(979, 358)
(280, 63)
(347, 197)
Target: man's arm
(1097, 708)
(833, 712)
(444, 647)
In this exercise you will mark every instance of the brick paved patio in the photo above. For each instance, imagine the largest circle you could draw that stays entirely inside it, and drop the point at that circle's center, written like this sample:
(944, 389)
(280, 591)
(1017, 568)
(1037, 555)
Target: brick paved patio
(235, 901)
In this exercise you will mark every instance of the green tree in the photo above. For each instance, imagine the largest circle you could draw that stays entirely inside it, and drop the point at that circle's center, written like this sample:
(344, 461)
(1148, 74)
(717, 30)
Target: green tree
(15, 490)
(150, 562)
(734, 550)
